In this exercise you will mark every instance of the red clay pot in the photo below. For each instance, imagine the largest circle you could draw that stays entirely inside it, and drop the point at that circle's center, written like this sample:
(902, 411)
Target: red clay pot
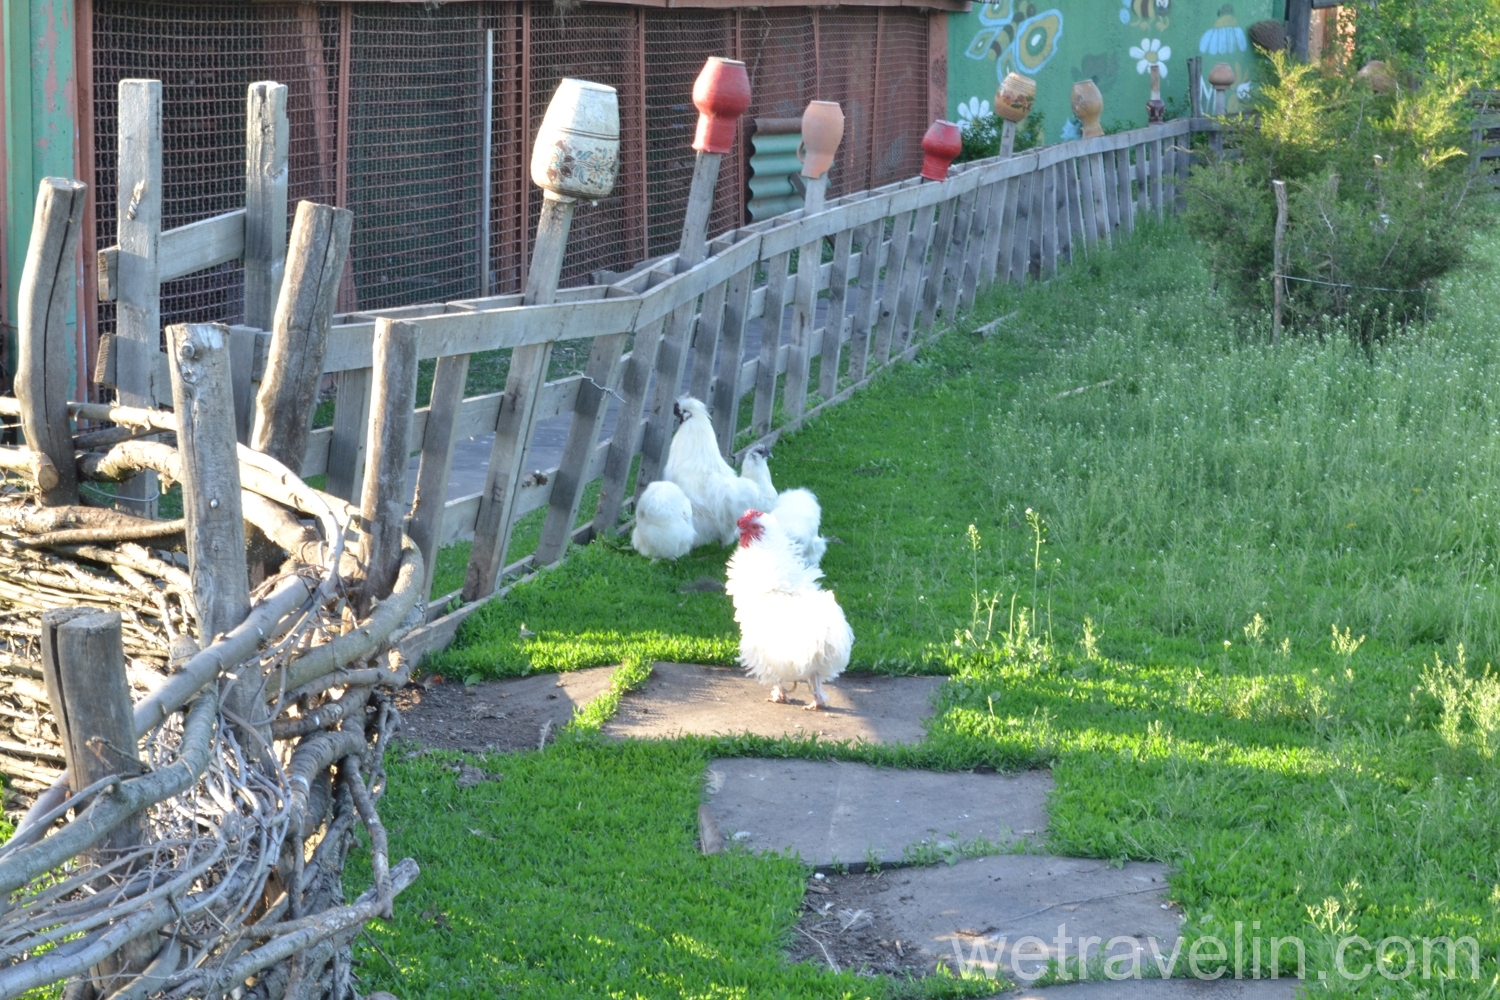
(721, 94)
(940, 145)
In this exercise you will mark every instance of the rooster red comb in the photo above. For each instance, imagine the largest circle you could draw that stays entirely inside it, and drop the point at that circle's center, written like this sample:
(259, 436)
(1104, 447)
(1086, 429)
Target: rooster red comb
(750, 527)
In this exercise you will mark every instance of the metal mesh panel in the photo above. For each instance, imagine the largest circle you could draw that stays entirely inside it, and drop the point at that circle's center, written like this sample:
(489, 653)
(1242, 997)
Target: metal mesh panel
(384, 102)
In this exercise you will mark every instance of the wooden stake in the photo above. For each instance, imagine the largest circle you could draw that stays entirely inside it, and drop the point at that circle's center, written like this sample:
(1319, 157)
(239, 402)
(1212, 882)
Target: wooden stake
(299, 332)
(44, 375)
(523, 386)
(266, 175)
(137, 339)
(1007, 138)
(382, 508)
(672, 353)
(83, 663)
(436, 464)
(1278, 264)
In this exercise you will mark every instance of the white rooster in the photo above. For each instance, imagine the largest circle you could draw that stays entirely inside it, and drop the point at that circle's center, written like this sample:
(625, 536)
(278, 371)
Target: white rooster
(797, 510)
(663, 522)
(718, 494)
(791, 629)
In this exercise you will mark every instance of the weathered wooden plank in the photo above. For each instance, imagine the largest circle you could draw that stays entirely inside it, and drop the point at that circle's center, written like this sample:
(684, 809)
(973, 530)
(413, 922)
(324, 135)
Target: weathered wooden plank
(1064, 214)
(1089, 203)
(725, 402)
(1123, 194)
(974, 253)
(44, 374)
(439, 435)
(1111, 187)
(705, 343)
(1157, 201)
(523, 384)
(936, 271)
(1142, 181)
(873, 247)
(838, 293)
(266, 177)
(1034, 223)
(1020, 243)
(622, 446)
(1049, 220)
(137, 337)
(890, 292)
(799, 335)
(770, 339)
(299, 332)
(185, 250)
(993, 233)
(952, 275)
(913, 276)
(346, 446)
(244, 343)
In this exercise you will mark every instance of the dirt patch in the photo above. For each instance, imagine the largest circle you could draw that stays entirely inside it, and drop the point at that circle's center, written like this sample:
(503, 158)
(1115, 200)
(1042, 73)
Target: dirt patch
(845, 924)
(497, 716)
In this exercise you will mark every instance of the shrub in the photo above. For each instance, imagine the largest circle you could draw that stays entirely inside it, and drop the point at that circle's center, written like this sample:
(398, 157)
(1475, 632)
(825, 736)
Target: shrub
(981, 136)
(1377, 186)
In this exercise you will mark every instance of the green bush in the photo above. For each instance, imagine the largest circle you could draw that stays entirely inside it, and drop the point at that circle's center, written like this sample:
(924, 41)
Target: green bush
(1378, 187)
(981, 136)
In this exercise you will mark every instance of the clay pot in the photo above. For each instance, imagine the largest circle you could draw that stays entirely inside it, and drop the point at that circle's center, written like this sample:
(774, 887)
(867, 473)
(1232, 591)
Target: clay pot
(721, 94)
(943, 141)
(1268, 36)
(1088, 105)
(1221, 77)
(577, 151)
(1378, 75)
(1015, 97)
(822, 131)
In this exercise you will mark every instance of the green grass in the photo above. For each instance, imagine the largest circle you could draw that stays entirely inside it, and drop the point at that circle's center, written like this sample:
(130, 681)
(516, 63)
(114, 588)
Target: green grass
(1219, 525)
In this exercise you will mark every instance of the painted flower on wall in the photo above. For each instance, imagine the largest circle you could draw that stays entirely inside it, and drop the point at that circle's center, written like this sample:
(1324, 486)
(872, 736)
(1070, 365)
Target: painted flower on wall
(1243, 91)
(1225, 37)
(1020, 40)
(1151, 52)
(971, 111)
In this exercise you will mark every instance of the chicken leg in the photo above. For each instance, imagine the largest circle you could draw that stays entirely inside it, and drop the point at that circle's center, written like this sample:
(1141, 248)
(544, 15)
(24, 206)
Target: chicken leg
(778, 695)
(819, 700)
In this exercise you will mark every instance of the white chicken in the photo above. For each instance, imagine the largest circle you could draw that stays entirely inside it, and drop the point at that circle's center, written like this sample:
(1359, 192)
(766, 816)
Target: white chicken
(791, 629)
(797, 510)
(717, 493)
(663, 522)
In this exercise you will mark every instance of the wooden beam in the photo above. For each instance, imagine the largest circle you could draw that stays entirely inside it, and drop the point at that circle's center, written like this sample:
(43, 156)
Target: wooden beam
(185, 250)
(266, 175)
(383, 502)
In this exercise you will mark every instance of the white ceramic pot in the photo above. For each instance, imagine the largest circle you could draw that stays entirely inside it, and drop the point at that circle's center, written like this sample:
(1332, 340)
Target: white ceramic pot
(577, 151)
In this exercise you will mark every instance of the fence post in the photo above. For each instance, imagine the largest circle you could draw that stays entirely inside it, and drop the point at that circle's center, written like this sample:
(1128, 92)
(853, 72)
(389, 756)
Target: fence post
(44, 375)
(436, 464)
(138, 299)
(266, 175)
(804, 308)
(299, 332)
(731, 351)
(83, 666)
(833, 324)
(382, 509)
(1278, 261)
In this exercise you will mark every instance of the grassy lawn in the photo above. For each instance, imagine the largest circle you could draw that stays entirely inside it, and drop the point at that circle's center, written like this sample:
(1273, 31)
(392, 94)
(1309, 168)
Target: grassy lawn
(1248, 622)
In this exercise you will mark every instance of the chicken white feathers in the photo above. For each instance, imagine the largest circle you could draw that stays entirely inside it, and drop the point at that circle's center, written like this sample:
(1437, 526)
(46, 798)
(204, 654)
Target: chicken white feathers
(791, 629)
(797, 510)
(663, 522)
(718, 494)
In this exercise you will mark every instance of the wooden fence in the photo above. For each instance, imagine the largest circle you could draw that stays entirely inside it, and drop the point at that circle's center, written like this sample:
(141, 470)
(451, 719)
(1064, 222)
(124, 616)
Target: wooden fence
(901, 256)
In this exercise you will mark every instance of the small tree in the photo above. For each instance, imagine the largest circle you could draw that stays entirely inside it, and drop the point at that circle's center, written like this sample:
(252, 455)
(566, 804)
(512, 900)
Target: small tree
(1377, 186)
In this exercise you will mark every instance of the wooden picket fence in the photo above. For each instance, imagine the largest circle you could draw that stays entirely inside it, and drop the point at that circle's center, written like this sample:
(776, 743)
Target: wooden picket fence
(901, 257)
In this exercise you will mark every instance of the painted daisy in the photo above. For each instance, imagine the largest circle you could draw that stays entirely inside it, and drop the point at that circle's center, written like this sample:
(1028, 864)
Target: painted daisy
(971, 111)
(1151, 50)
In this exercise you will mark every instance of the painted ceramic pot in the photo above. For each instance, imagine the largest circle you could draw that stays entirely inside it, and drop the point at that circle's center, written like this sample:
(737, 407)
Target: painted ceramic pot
(822, 131)
(1015, 97)
(1088, 105)
(721, 94)
(577, 151)
(943, 141)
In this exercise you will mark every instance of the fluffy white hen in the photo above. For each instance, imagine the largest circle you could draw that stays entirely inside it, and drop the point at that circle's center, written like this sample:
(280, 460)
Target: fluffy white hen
(717, 493)
(663, 522)
(791, 629)
(797, 510)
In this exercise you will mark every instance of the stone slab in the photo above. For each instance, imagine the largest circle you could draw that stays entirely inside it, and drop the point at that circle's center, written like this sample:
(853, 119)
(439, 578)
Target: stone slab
(1019, 911)
(687, 699)
(514, 714)
(1163, 989)
(833, 812)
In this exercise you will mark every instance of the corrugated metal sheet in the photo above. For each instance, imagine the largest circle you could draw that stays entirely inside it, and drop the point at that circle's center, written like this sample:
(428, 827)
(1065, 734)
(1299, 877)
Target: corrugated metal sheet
(773, 167)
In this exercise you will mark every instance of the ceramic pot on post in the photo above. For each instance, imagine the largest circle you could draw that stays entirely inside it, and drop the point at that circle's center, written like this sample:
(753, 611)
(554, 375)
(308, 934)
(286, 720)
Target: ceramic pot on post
(1156, 109)
(721, 94)
(1378, 75)
(943, 141)
(1088, 105)
(1221, 78)
(577, 151)
(1014, 99)
(822, 131)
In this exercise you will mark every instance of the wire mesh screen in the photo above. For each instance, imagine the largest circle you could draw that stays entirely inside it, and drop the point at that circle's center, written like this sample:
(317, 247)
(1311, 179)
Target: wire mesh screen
(386, 109)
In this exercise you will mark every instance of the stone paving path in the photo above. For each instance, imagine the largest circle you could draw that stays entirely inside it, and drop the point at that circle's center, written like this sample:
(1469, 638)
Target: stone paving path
(981, 898)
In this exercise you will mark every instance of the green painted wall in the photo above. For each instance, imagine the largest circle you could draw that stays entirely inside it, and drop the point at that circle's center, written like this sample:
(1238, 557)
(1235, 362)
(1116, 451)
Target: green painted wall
(1059, 42)
(40, 115)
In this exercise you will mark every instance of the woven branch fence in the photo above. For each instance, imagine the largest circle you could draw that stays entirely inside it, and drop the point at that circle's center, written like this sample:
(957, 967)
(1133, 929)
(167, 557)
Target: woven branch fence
(218, 686)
